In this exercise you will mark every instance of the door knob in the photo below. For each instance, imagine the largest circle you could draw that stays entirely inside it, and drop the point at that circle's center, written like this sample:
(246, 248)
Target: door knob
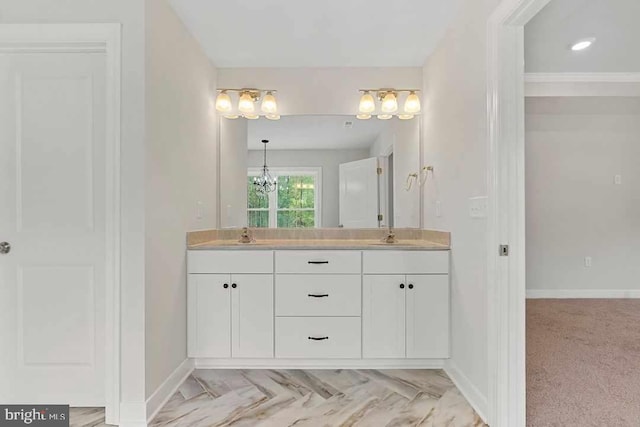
(5, 247)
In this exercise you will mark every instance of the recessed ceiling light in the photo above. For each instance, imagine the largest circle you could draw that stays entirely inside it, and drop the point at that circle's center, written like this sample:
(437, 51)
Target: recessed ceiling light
(582, 44)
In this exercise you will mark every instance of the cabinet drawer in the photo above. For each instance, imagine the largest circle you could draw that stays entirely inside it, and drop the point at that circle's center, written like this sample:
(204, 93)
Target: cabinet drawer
(318, 295)
(335, 337)
(329, 262)
(405, 262)
(249, 262)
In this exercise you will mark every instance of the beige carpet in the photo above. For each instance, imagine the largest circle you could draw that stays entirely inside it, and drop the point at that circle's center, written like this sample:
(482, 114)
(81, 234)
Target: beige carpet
(583, 363)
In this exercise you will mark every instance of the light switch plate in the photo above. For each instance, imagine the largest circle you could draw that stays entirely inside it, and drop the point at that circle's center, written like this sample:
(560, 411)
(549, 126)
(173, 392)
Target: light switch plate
(478, 207)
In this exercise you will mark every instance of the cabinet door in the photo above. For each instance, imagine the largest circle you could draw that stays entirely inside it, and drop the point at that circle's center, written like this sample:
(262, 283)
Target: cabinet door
(428, 316)
(209, 309)
(383, 316)
(252, 315)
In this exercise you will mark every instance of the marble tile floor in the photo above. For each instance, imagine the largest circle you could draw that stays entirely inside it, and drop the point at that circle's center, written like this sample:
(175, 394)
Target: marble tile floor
(314, 398)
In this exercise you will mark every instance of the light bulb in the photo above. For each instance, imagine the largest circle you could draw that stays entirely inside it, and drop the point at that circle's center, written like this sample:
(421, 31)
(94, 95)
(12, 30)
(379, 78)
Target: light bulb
(363, 116)
(367, 103)
(384, 116)
(405, 116)
(582, 44)
(251, 116)
(273, 116)
(223, 102)
(412, 104)
(269, 105)
(389, 103)
(245, 103)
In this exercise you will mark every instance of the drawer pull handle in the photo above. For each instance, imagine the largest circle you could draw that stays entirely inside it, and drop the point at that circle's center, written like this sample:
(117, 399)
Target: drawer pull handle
(318, 338)
(318, 262)
(317, 295)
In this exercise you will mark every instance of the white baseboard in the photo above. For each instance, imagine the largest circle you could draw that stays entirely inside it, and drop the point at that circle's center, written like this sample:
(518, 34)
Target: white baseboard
(133, 414)
(476, 399)
(582, 293)
(161, 396)
(207, 363)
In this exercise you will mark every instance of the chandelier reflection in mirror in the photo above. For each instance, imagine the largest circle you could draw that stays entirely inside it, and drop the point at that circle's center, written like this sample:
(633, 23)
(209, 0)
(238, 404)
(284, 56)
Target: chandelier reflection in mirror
(264, 183)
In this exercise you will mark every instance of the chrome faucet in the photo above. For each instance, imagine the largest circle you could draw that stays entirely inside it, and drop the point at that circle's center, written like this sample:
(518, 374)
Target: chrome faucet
(390, 237)
(245, 237)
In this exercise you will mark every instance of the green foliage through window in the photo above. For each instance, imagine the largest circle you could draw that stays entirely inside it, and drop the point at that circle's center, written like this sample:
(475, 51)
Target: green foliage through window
(292, 205)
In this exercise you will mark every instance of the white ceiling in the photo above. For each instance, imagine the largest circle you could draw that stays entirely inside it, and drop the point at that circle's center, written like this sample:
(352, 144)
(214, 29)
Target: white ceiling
(321, 33)
(614, 24)
(313, 133)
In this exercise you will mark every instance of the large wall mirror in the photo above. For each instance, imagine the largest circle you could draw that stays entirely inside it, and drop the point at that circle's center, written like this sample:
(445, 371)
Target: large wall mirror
(330, 171)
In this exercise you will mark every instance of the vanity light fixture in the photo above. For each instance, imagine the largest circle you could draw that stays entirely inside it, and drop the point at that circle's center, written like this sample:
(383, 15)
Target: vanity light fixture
(269, 105)
(412, 103)
(223, 102)
(388, 98)
(247, 99)
(246, 103)
(265, 183)
(273, 116)
(389, 102)
(367, 104)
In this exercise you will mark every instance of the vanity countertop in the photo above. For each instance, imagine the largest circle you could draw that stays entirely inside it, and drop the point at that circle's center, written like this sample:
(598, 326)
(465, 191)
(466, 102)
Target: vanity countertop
(311, 244)
(319, 238)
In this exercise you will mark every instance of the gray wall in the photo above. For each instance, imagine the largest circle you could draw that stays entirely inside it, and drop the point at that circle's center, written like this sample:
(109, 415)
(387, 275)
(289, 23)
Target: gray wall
(574, 149)
(328, 160)
(180, 172)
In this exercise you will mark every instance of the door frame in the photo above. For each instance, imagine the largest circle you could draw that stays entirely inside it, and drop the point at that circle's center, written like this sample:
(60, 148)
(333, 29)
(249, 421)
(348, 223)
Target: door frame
(506, 217)
(92, 38)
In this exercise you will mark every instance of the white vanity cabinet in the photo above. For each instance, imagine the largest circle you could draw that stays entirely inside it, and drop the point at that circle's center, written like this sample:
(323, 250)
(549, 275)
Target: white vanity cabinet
(318, 307)
(230, 314)
(405, 315)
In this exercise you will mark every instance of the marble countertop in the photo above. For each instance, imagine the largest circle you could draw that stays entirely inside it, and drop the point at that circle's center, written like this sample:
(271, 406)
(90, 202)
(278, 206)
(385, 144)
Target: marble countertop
(311, 244)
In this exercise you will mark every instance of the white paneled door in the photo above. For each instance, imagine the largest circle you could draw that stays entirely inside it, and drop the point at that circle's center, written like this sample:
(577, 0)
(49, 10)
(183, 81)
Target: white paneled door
(52, 213)
(359, 194)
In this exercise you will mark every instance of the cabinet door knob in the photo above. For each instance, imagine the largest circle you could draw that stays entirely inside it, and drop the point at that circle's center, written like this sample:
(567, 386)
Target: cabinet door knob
(402, 286)
(410, 286)
(226, 285)
(234, 286)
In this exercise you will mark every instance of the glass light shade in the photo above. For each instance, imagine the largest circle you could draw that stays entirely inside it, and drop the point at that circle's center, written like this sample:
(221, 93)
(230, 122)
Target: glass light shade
(412, 104)
(245, 103)
(273, 116)
(384, 116)
(223, 102)
(251, 116)
(269, 105)
(231, 116)
(389, 103)
(367, 103)
(405, 116)
(364, 116)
